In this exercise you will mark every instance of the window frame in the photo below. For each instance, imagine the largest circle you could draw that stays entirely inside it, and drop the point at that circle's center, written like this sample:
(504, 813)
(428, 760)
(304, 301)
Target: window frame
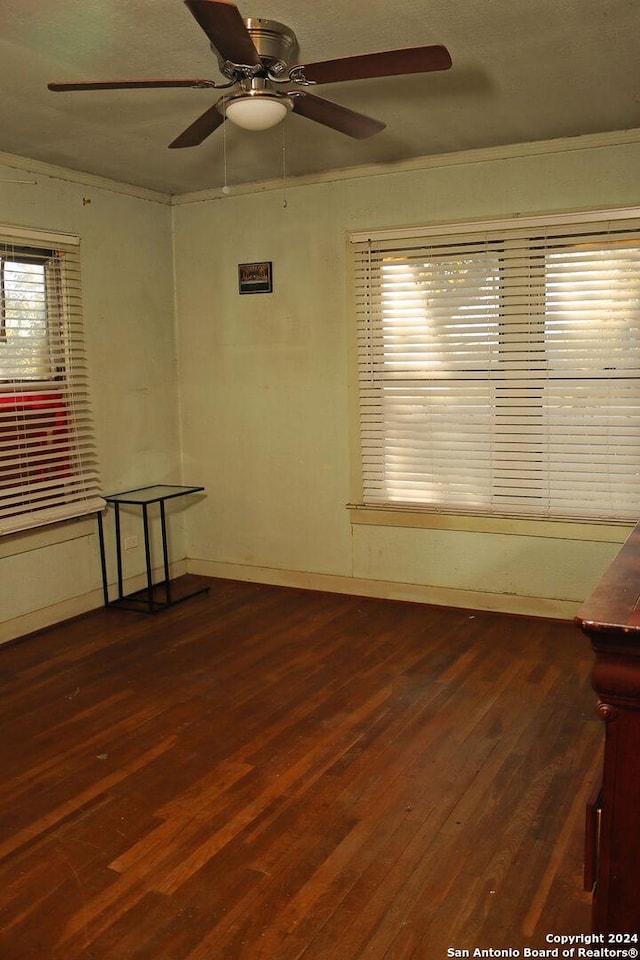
(447, 516)
(48, 463)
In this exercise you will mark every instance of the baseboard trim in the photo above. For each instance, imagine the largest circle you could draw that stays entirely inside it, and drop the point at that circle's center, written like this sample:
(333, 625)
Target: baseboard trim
(331, 583)
(49, 616)
(76, 606)
(386, 589)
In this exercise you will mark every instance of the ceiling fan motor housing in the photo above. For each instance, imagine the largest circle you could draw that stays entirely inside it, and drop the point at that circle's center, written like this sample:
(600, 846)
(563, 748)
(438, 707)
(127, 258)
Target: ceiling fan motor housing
(276, 44)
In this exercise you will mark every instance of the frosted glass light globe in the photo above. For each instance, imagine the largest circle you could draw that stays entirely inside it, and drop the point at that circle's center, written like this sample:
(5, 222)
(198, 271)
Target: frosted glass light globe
(257, 113)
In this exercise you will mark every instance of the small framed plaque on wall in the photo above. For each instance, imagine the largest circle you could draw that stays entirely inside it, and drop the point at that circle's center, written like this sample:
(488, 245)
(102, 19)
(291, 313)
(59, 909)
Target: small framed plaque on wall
(255, 277)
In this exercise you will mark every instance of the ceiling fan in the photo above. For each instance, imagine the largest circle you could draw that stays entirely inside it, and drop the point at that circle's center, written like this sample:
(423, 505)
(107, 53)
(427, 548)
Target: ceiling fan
(254, 55)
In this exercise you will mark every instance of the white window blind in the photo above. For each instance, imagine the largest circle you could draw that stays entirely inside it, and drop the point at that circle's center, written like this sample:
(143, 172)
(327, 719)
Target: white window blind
(499, 368)
(48, 468)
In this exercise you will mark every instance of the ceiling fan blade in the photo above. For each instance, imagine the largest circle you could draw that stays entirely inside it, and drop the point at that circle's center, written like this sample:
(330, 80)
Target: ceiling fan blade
(128, 84)
(225, 28)
(200, 129)
(386, 64)
(333, 115)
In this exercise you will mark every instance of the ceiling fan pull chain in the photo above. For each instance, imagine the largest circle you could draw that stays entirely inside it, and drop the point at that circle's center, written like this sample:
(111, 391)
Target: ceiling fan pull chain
(226, 189)
(284, 166)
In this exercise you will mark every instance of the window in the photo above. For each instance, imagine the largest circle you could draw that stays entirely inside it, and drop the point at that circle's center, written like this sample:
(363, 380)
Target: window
(47, 457)
(499, 368)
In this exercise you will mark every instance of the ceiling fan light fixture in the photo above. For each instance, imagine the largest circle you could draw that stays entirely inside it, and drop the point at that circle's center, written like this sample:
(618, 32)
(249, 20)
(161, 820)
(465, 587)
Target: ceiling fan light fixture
(261, 112)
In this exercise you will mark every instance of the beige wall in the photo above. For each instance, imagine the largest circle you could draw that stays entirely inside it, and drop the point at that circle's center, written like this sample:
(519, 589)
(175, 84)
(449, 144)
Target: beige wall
(127, 273)
(265, 383)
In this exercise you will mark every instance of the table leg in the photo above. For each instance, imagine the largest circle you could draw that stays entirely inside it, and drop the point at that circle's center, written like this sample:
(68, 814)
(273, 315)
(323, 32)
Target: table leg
(103, 560)
(165, 553)
(118, 549)
(147, 553)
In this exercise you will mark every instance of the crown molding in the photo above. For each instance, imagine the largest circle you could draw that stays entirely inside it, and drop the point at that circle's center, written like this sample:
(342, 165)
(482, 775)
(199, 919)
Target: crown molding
(592, 141)
(527, 150)
(38, 168)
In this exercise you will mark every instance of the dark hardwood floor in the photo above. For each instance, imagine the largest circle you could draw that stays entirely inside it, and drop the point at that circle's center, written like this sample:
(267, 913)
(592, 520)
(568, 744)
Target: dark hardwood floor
(287, 775)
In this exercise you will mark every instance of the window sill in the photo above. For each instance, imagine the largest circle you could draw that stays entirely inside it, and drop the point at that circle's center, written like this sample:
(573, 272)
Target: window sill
(12, 544)
(606, 532)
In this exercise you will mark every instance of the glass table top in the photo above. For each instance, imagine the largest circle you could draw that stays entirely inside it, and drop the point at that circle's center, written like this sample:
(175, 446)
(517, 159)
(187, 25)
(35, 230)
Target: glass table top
(152, 494)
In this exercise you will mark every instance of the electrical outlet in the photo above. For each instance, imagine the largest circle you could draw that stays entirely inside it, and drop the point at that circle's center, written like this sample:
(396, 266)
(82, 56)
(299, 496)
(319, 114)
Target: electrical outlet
(130, 543)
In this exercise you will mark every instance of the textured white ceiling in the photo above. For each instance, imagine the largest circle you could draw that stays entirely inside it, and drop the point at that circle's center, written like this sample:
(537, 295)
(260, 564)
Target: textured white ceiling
(523, 70)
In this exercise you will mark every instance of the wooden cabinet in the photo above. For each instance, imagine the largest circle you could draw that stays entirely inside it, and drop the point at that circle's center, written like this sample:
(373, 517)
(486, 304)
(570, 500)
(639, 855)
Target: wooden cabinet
(611, 620)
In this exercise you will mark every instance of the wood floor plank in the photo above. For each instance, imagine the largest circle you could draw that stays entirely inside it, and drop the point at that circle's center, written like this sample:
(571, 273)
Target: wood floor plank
(279, 774)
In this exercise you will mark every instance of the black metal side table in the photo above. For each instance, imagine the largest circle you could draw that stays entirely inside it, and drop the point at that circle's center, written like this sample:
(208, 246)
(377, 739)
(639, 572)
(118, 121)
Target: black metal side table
(144, 600)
